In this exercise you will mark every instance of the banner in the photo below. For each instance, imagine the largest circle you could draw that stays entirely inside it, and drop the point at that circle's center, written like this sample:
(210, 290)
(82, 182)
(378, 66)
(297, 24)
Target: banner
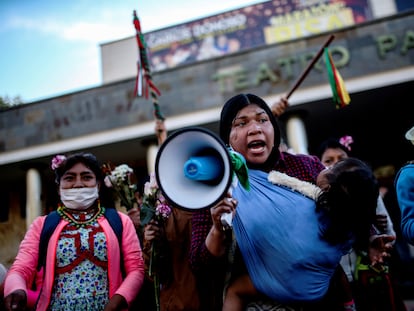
(269, 22)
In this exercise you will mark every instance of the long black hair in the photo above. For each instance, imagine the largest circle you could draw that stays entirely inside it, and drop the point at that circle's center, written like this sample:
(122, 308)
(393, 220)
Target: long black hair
(350, 202)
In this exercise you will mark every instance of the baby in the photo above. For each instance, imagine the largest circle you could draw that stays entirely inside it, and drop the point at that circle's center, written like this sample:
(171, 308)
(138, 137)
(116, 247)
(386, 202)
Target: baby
(345, 206)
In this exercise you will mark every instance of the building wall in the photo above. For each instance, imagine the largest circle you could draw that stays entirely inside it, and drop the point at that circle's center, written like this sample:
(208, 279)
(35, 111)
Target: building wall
(363, 52)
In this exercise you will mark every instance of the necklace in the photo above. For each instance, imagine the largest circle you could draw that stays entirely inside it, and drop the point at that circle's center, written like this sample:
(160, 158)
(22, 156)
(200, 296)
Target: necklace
(81, 219)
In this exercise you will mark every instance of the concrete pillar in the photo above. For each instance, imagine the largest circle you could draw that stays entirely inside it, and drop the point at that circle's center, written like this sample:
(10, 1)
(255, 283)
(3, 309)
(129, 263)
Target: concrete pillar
(151, 156)
(33, 194)
(296, 134)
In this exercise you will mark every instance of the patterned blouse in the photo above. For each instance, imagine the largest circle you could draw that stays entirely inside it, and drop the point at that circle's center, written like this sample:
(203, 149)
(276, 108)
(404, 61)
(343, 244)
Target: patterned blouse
(81, 279)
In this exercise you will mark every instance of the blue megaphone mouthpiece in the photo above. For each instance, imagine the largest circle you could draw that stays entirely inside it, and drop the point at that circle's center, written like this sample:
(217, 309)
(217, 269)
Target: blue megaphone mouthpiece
(203, 168)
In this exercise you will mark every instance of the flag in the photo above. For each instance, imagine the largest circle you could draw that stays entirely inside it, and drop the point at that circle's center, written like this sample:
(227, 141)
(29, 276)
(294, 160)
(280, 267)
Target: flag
(339, 92)
(143, 83)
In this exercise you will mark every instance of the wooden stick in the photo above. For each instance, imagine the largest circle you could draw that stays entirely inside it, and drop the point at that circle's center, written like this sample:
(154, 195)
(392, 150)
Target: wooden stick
(309, 67)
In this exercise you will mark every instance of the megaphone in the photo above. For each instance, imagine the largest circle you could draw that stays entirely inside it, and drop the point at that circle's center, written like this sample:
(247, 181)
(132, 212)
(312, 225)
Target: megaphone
(193, 168)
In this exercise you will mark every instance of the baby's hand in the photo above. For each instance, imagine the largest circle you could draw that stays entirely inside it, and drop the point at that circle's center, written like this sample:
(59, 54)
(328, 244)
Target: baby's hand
(380, 248)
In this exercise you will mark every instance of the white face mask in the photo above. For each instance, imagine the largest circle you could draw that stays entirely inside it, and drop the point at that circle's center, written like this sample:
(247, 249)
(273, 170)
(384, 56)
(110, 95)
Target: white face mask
(79, 198)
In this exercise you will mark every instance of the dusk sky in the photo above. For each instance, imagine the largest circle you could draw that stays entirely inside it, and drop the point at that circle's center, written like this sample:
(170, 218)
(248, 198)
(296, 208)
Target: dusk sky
(50, 48)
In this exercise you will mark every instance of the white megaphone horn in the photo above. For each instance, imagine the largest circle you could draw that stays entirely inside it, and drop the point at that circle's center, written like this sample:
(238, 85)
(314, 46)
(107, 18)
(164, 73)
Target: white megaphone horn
(193, 168)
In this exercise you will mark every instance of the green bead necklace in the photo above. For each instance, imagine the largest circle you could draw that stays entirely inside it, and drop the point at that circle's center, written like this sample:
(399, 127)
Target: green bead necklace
(62, 211)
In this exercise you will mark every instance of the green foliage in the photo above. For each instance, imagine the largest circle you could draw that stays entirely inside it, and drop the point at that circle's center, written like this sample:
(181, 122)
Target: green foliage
(7, 102)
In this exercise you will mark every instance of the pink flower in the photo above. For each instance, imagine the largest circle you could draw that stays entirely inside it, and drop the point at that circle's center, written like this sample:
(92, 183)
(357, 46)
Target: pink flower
(151, 187)
(57, 161)
(107, 181)
(163, 210)
(346, 141)
(154, 205)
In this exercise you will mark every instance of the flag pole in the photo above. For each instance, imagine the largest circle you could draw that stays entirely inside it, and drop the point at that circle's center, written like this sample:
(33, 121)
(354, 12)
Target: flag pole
(309, 67)
(144, 84)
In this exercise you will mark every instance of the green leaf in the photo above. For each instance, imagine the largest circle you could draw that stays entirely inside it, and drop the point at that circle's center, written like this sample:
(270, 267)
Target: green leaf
(147, 213)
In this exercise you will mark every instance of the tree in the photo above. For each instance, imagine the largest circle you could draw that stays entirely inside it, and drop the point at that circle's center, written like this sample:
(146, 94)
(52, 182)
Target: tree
(7, 102)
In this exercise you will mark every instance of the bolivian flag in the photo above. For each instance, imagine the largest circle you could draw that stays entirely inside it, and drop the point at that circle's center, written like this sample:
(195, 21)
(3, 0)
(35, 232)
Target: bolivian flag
(339, 92)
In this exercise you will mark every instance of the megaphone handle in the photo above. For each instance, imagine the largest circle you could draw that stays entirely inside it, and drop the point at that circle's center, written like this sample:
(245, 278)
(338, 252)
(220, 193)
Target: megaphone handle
(227, 218)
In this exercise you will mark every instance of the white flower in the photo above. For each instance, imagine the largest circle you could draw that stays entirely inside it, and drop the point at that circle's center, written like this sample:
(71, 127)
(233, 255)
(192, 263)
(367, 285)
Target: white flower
(151, 187)
(122, 181)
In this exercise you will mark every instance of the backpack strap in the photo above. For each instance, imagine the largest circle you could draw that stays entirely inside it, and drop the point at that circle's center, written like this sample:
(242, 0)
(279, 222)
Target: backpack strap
(115, 221)
(49, 226)
(111, 214)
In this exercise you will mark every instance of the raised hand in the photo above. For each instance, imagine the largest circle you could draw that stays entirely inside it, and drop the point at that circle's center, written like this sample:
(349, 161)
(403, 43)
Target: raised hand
(279, 107)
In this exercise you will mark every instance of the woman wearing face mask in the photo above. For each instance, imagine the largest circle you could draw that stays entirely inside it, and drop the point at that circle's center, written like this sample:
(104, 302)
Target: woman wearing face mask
(84, 269)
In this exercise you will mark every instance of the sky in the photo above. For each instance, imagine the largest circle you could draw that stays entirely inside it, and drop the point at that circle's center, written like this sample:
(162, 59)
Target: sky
(50, 48)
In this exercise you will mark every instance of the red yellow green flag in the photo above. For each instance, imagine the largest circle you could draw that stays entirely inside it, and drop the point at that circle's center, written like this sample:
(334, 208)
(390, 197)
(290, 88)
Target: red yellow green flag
(339, 92)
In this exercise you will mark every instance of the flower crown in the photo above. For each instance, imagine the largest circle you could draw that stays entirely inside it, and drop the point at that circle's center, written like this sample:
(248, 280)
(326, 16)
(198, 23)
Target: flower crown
(346, 141)
(57, 161)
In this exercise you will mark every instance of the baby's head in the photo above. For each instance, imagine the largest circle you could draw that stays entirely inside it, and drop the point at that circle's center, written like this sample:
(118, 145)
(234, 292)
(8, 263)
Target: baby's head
(350, 194)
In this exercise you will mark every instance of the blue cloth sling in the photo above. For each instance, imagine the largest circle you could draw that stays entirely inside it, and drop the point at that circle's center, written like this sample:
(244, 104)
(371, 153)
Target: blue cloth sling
(278, 232)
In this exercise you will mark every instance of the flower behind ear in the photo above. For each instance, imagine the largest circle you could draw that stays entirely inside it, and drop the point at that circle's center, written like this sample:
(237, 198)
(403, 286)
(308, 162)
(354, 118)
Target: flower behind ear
(57, 161)
(346, 141)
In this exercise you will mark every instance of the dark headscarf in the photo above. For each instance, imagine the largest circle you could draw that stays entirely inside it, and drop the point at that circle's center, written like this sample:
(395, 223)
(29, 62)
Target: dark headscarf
(229, 112)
